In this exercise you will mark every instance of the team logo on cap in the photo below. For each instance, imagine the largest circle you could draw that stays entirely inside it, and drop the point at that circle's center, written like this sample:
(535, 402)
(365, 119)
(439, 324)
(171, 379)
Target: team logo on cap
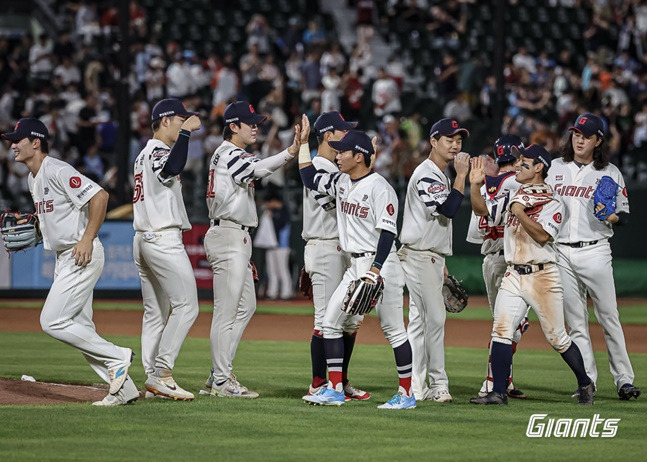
(583, 120)
(75, 182)
(251, 108)
(454, 124)
(390, 209)
(16, 127)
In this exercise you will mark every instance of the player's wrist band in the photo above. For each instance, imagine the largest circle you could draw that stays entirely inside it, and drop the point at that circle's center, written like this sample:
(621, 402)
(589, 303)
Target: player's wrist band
(377, 265)
(304, 154)
(186, 133)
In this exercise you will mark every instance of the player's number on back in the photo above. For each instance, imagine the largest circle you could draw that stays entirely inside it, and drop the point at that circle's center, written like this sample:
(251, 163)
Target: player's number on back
(138, 191)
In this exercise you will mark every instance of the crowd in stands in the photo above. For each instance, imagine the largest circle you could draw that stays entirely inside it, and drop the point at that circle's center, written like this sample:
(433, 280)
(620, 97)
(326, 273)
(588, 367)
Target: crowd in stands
(68, 81)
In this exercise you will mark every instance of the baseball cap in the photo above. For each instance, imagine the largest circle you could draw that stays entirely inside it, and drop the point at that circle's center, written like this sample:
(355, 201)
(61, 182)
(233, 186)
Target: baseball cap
(534, 151)
(242, 111)
(589, 124)
(503, 145)
(332, 120)
(26, 127)
(355, 141)
(170, 107)
(447, 127)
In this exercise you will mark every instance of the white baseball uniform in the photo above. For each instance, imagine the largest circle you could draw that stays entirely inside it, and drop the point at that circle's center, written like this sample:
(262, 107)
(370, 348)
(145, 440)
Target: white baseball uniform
(582, 240)
(61, 195)
(426, 240)
(228, 245)
(325, 261)
(169, 290)
(532, 278)
(364, 208)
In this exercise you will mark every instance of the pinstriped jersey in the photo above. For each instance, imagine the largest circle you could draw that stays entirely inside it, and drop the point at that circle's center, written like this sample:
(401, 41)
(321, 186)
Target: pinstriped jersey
(319, 210)
(60, 196)
(364, 208)
(575, 187)
(230, 194)
(157, 201)
(423, 227)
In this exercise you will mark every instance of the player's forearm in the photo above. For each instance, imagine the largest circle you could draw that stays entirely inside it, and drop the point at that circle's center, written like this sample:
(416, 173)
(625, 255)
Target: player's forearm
(271, 164)
(459, 183)
(178, 155)
(534, 229)
(307, 173)
(478, 203)
(450, 207)
(96, 214)
(384, 245)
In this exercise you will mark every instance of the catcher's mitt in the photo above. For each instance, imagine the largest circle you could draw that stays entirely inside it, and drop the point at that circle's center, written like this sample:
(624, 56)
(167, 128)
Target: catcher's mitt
(605, 194)
(454, 295)
(363, 294)
(20, 231)
(533, 196)
(305, 284)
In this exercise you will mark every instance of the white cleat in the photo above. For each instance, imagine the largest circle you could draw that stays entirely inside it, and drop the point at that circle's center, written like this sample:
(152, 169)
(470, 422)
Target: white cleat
(441, 396)
(119, 374)
(168, 388)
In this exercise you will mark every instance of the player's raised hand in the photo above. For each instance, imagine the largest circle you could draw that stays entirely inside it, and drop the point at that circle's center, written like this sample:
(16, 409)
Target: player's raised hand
(462, 163)
(490, 167)
(305, 129)
(192, 124)
(477, 173)
(293, 149)
(374, 155)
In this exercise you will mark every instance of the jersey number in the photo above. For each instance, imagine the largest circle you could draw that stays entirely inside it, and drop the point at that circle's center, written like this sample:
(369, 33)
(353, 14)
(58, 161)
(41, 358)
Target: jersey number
(210, 188)
(138, 192)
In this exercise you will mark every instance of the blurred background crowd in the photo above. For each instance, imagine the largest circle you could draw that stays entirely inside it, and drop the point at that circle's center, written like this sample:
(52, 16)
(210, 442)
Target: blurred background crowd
(395, 66)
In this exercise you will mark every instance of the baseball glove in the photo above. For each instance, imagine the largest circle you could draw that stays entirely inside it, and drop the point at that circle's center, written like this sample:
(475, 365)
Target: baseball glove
(605, 194)
(20, 231)
(305, 284)
(454, 295)
(363, 294)
(531, 196)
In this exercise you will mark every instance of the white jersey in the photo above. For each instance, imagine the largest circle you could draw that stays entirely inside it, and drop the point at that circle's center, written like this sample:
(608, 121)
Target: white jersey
(364, 208)
(60, 194)
(230, 194)
(520, 248)
(496, 192)
(157, 201)
(424, 227)
(319, 210)
(575, 186)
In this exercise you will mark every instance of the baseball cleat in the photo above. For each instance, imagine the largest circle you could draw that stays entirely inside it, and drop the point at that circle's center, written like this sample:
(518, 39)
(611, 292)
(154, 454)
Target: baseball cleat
(209, 382)
(441, 396)
(119, 374)
(355, 393)
(491, 398)
(167, 387)
(514, 393)
(231, 388)
(126, 395)
(576, 393)
(400, 401)
(149, 395)
(326, 397)
(628, 391)
(586, 395)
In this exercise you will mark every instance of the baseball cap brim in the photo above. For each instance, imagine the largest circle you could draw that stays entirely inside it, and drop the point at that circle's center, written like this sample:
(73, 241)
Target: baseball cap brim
(583, 132)
(467, 133)
(13, 136)
(253, 119)
(345, 126)
(516, 152)
(346, 145)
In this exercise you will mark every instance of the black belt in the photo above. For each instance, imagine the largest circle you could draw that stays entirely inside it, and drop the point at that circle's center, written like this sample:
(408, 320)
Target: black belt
(360, 255)
(216, 222)
(579, 245)
(527, 269)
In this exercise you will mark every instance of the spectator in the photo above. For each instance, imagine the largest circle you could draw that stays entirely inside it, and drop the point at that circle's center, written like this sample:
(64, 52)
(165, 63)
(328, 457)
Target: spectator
(385, 95)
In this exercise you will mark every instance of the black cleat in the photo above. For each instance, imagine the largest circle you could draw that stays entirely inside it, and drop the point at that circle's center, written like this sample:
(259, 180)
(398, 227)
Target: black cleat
(628, 391)
(516, 393)
(491, 398)
(586, 395)
(576, 393)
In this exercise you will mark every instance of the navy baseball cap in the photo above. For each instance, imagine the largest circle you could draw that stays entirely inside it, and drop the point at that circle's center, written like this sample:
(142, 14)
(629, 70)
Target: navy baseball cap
(170, 107)
(503, 145)
(330, 121)
(242, 111)
(589, 124)
(27, 127)
(447, 127)
(534, 151)
(355, 141)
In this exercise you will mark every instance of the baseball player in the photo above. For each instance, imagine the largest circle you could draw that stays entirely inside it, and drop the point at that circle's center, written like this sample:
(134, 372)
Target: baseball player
(532, 221)
(71, 209)
(325, 261)
(228, 245)
(366, 220)
(499, 184)
(169, 290)
(585, 239)
(426, 238)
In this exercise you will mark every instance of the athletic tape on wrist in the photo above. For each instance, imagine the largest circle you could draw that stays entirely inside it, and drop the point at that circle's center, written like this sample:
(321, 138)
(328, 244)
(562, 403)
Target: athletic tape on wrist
(304, 154)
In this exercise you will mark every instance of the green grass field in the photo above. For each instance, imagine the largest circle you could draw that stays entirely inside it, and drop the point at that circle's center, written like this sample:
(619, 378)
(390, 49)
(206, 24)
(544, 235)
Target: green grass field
(279, 426)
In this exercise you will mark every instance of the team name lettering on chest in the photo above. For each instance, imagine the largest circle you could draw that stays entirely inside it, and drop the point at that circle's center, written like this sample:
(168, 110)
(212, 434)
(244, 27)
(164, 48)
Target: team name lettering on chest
(574, 191)
(353, 209)
(44, 206)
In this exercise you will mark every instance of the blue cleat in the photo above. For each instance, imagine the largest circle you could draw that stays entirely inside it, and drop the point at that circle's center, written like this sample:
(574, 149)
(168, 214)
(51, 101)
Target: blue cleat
(326, 397)
(400, 401)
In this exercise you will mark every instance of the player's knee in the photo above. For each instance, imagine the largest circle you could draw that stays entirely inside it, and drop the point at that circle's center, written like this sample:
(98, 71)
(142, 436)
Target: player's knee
(50, 326)
(559, 342)
(332, 331)
(395, 337)
(499, 339)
